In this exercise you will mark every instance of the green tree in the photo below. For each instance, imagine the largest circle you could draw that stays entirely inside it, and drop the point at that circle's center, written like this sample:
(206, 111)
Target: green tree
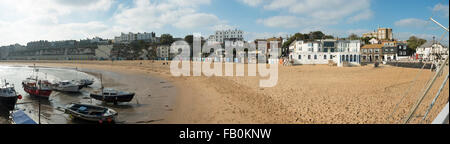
(414, 42)
(166, 39)
(189, 39)
(353, 37)
(366, 39)
(317, 35)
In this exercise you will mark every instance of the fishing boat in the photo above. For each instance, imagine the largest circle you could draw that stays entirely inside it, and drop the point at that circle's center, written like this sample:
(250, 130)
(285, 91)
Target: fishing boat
(66, 86)
(91, 112)
(110, 95)
(35, 87)
(85, 82)
(8, 97)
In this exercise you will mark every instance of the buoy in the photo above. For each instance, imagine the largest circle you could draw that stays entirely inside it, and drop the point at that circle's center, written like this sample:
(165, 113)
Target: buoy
(19, 97)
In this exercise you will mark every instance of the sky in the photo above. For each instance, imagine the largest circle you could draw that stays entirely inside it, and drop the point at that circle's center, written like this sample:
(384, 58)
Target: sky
(22, 21)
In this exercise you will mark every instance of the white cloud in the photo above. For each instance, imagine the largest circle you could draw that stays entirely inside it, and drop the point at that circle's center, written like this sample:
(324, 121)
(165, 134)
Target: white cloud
(29, 20)
(294, 22)
(443, 9)
(411, 22)
(252, 3)
(223, 27)
(312, 12)
(263, 35)
(197, 20)
(146, 15)
(282, 21)
(357, 31)
(364, 15)
(22, 21)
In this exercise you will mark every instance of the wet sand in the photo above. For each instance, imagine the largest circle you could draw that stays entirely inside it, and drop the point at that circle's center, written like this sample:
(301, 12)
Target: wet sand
(153, 99)
(304, 94)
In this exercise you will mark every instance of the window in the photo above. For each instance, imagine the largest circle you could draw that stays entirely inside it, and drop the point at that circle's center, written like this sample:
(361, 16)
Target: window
(386, 50)
(377, 50)
(309, 56)
(299, 57)
(325, 49)
(324, 57)
(315, 57)
(365, 50)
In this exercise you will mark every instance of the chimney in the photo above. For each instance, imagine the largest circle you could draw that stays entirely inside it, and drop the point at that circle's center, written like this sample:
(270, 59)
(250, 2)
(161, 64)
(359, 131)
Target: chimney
(434, 41)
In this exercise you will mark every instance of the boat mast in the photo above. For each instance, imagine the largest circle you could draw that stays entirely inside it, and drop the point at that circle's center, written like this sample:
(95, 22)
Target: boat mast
(101, 83)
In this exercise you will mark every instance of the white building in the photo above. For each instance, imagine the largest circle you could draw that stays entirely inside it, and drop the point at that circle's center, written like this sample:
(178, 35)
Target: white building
(325, 51)
(222, 36)
(373, 41)
(127, 38)
(162, 51)
(431, 51)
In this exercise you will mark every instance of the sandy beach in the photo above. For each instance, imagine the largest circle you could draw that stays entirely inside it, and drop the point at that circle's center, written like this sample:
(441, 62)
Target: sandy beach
(307, 94)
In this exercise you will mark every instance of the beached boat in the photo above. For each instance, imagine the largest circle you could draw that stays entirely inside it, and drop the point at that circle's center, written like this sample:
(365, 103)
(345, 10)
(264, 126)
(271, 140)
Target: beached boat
(66, 86)
(8, 97)
(91, 112)
(20, 117)
(85, 82)
(112, 96)
(35, 87)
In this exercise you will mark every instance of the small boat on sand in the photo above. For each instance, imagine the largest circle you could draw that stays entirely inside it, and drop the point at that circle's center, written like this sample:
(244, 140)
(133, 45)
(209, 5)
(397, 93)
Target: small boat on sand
(110, 95)
(8, 97)
(85, 82)
(66, 86)
(91, 112)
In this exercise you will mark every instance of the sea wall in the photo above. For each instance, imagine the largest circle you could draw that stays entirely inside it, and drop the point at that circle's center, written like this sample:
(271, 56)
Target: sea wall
(410, 64)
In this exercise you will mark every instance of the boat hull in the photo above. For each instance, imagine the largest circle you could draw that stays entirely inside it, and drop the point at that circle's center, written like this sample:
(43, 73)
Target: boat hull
(113, 99)
(7, 103)
(72, 111)
(35, 92)
(73, 89)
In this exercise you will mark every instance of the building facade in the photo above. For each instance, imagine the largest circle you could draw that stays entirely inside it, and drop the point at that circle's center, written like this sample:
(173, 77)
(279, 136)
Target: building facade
(431, 51)
(380, 34)
(389, 50)
(340, 52)
(226, 35)
(402, 51)
(130, 37)
(371, 53)
(162, 52)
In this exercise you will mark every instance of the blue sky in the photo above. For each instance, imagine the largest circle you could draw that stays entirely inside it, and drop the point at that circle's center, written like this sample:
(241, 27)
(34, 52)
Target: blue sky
(27, 20)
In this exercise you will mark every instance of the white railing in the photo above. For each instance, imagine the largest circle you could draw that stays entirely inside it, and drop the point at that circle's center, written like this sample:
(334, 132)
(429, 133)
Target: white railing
(442, 118)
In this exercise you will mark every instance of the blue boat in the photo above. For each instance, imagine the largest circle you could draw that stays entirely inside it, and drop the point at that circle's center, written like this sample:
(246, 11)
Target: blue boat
(20, 117)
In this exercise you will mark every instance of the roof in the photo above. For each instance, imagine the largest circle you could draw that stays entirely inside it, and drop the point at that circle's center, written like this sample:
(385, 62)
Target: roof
(429, 44)
(371, 46)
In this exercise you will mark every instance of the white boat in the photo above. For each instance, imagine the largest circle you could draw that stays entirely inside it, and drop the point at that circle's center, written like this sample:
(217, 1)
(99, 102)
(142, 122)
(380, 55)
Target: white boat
(86, 82)
(66, 86)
